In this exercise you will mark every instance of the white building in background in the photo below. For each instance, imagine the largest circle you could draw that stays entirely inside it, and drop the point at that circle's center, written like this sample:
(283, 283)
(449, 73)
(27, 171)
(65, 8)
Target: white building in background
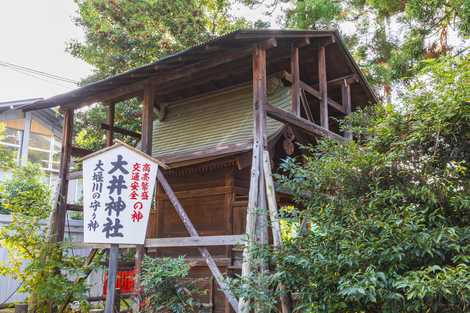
(35, 137)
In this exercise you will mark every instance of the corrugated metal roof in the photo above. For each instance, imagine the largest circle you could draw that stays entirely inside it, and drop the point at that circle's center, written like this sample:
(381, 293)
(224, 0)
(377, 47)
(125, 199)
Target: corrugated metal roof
(240, 38)
(218, 120)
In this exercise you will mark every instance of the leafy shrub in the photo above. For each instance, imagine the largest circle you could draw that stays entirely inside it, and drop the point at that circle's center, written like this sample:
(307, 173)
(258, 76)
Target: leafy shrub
(166, 287)
(389, 214)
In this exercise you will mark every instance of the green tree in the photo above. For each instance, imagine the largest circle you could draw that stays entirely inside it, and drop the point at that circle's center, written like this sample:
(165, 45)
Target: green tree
(32, 260)
(388, 37)
(120, 35)
(390, 213)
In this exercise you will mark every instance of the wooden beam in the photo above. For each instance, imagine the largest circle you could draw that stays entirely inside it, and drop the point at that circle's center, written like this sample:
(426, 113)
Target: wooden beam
(295, 70)
(66, 152)
(74, 175)
(80, 152)
(323, 88)
(301, 123)
(202, 241)
(110, 121)
(346, 100)
(120, 130)
(314, 92)
(351, 78)
(75, 207)
(317, 94)
(193, 233)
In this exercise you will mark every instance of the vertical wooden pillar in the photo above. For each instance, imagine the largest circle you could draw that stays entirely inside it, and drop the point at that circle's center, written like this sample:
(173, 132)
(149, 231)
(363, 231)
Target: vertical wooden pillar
(259, 66)
(110, 121)
(295, 72)
(66, 150)
(256, 217)
(323, 87)
(346, 101)
(146, 146)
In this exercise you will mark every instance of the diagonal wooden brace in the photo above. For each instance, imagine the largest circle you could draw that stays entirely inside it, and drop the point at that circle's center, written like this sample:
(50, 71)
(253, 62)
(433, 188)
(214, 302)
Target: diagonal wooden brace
(193, 233)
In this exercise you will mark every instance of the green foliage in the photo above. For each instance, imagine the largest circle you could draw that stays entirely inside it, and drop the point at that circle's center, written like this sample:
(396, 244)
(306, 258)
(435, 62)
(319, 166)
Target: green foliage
(25, 192)
(121, 35)
(6, 156)
(389, 214)
(166, 287)
(44, 272)
(391, 36)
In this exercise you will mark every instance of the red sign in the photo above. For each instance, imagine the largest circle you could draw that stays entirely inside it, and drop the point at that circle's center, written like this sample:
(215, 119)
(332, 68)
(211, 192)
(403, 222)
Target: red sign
(124, 282)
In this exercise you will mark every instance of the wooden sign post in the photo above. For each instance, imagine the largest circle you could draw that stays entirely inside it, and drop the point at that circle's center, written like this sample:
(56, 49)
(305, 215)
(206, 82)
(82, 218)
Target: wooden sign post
(118, 186)
(112, 275)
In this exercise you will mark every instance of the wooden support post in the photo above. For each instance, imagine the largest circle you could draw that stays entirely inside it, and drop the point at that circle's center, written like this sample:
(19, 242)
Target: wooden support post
(110, 121)
(323, 87)
(112, 274)
(346, 101)
(146, 144)
(286, 303)
(295, 70)
(260, 101)
(193, 233)
(66, 152)
(256, 216)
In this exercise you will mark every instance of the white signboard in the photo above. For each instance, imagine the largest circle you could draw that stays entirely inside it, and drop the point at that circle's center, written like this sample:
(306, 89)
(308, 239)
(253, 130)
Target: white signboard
(118, 187)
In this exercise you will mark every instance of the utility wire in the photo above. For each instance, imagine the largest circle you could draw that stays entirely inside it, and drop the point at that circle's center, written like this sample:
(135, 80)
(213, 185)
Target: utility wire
(24, 70)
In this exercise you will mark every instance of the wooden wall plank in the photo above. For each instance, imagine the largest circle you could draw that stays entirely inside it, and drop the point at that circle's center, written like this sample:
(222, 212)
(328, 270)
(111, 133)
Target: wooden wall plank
(193, 233)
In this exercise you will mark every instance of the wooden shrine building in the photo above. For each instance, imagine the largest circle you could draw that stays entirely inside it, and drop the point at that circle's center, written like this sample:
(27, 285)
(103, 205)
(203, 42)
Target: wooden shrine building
(220, 115)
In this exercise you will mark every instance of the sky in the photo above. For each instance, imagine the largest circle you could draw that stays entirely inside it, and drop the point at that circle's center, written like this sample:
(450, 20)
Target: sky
(33, 33)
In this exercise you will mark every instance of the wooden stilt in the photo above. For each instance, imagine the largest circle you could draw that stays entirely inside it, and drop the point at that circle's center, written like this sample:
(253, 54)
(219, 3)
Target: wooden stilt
(193, 233)
(346, 101)
(146, 142)
(295, 71)
(110, 121)
(61, 209)
(286, 303)
(323, 88)
(256, 218)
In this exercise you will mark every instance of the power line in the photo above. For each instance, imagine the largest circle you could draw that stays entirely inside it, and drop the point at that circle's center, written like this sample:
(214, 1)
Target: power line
(24, 70)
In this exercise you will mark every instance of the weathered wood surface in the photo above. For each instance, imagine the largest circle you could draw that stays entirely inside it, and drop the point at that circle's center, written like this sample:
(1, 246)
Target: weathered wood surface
(202, 241)
(314, 92)
(301, 123)
(66, 153)
(317, 94)
(295, 70)
(110, 121)
(80, 152)
(286, 303)
(193, 233)
(146, 147)
(256, 216)
(323, 88)
(346, 100)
